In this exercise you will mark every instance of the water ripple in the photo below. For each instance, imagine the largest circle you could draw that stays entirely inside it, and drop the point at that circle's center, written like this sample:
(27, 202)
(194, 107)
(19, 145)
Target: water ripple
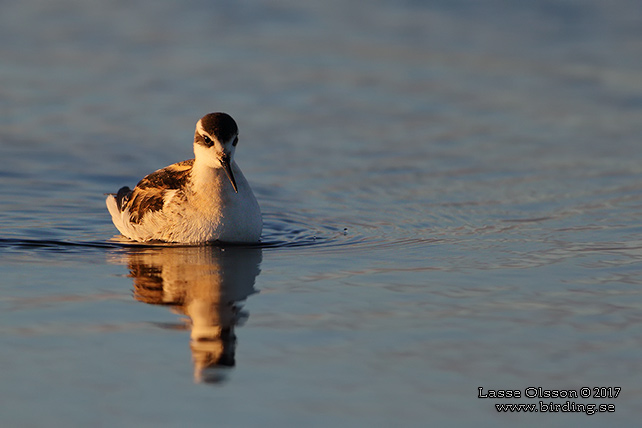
(281, 231)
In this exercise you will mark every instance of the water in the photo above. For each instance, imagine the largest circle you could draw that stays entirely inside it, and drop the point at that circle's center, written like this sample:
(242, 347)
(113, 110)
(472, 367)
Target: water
(451, 194)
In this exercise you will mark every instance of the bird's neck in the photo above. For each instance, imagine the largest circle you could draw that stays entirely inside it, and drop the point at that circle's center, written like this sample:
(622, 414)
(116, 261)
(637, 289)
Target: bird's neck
(206, 178)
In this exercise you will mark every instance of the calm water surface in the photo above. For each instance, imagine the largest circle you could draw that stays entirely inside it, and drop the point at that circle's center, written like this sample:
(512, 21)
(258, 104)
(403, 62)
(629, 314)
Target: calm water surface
(451, 197)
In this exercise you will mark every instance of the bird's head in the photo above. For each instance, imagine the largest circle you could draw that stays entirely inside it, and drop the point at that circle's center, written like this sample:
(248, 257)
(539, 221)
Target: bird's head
(215, 141)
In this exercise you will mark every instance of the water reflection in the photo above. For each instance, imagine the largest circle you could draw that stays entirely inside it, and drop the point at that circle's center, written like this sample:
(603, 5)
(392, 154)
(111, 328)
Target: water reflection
(205, 283)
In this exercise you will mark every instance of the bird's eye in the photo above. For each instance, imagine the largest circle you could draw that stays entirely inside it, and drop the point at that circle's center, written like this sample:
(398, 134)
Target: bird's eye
(236, 141)
(207, 139)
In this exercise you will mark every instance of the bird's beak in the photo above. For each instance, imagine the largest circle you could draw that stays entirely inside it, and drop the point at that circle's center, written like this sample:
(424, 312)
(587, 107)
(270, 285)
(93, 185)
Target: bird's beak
(227, 167)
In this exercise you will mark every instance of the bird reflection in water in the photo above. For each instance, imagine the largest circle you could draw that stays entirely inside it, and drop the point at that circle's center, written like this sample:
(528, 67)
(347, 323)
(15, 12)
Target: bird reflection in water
(208, 285)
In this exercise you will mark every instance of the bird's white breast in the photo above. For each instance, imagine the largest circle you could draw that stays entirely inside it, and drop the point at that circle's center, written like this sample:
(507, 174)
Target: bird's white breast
(211, 211)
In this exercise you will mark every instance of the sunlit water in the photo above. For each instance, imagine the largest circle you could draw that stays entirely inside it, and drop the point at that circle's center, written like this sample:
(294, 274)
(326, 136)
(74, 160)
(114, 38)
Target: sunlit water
(451, 197)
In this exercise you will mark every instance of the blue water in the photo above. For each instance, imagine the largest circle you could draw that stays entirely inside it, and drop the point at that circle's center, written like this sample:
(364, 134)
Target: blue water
(452, 195)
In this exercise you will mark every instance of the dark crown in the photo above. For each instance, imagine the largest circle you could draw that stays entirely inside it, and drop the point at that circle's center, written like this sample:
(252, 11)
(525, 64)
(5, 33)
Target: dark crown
(220, 125)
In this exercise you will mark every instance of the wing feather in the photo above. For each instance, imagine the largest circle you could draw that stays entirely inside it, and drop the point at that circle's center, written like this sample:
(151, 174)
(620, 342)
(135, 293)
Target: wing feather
(149, 194)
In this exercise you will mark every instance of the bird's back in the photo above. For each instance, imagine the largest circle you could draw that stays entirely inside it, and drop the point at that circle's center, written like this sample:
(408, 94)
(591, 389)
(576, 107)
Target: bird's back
(131, 210)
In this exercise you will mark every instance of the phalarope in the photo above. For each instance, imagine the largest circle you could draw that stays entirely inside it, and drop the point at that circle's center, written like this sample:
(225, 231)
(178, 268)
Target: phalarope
(198, 200)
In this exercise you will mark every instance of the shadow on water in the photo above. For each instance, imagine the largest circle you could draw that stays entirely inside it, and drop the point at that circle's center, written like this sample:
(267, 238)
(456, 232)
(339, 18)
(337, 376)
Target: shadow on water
(207, 284)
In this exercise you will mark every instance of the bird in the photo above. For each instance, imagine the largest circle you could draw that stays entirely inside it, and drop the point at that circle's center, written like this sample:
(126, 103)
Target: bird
(200, 200)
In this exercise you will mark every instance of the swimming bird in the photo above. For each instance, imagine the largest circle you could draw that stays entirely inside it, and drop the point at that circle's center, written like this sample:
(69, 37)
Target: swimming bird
(194, 201)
